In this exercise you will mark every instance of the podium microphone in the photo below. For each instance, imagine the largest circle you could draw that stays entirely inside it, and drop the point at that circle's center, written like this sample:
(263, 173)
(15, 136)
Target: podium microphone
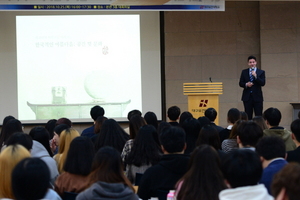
(210, 79)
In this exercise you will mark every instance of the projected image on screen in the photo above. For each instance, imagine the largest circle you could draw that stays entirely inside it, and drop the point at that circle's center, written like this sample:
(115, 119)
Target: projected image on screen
(68, 64)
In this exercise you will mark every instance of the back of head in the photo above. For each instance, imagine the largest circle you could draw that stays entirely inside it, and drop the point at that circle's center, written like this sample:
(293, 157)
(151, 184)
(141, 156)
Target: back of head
(64, 121)
(60, 128)
(173, 113)
(5, 120)
(9, 158)
(249, 133)
(107, 167)
(233, 115)
(151, 119)
(66, 138)
(20, 138)
(211, 114)
(242, 167)
(273, 116)
(30, 179)
(173, 139)
(185, 115)
(135, 123)
(210, 136)
(111, 134)
(244, 116)
(132, 113)
(270, 147)
(162, 126)
(145, 149)
(97, 111)
(98, 123)
(41, 135)
(191, 127)
(80, 156)
(203, 121)
(287, 178)
(202, 181)
(11, 127)
(295, 128)
(50, 125)
(260, 121)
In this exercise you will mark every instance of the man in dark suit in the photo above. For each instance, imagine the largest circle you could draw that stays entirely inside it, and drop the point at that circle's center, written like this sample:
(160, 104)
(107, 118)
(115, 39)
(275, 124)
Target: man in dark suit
(294, 156)
(252, 79)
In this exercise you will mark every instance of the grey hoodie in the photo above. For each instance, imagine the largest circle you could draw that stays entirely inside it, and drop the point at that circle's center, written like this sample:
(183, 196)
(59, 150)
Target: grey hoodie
(105, 191)
(39, 151)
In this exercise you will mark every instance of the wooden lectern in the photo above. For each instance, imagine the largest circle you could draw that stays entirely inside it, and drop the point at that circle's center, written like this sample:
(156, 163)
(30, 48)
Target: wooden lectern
(202, 96)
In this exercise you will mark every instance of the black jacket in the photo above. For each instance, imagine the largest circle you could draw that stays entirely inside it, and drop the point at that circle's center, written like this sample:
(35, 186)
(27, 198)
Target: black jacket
(163, 176)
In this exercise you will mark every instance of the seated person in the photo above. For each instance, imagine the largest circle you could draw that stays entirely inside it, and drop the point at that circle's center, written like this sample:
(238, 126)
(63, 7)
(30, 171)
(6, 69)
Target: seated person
(173, 165)
(285, 185)
(294, 156)
(173, 114)
(242, 170)
(271, 150)
(273, 117)
(248, 134)
(95, 112)
(211, 114)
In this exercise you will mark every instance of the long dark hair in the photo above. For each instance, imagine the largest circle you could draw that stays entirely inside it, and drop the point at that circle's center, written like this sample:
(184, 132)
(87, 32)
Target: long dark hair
(151, 119)
(145, 150)
(107, 167)
(191, 127)
(204, 179)
(111, 134)
(135, 123)
(12, 126)
(80, 156)
(41, 135)
(209, 135)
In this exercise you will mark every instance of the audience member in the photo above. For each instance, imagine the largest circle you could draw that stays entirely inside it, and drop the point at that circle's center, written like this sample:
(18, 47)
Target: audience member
(65, 121)
(191, 127)
(210, 136)
(66, 138)
(135, 123)
(50, 125)
(242, 170)
(244, 116)
(20, 138)
(273, 117)
(41, 135)
(295, 154)
(151, 119)
(248, 134)
(30, 180)
(173, 114)
(111, 134)
(185, 115)
(96, 111)
(144, 153)
(285, 185)
(271, 150)
(55, 141)
(129, 115)
(107, 179)
(260, 121)
(203, 121)
(9, 158)
(12, 126)
(162, 125)
(77, 167)
(231, 143)
(5, 120)
(204, 179)
(211, 114)
(233, 115)
(163, 176)
(98, 123)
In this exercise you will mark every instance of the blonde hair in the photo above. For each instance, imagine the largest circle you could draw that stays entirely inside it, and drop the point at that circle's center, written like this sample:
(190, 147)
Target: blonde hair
(65, 140)
(9, 158)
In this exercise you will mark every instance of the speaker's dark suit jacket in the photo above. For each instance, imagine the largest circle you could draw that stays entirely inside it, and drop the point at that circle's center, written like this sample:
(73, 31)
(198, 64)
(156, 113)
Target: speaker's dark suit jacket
(256, 88)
